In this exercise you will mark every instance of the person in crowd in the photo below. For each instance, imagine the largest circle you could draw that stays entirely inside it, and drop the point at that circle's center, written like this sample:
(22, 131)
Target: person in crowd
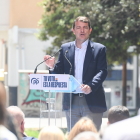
(5, 134)
(84, 124)
(128, 129)
(87, 135)
(19, 116)
(11, 125)
(117, 113)
(51, 133)
(86, 61)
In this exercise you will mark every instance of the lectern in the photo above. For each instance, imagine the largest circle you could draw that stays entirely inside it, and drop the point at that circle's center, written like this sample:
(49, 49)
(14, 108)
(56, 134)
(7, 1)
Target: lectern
(52, 87)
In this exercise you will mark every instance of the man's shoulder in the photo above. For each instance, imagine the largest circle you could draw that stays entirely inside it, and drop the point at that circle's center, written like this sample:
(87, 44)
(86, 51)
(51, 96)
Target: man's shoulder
(67, 44)
(96, 44)
(93, 44)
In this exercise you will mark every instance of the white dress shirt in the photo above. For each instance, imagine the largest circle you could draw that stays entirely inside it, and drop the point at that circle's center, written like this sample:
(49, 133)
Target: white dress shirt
(79, 60)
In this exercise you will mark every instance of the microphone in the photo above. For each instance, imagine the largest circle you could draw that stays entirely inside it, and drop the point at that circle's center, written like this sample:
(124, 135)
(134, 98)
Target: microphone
(68, 61)
(46, 60)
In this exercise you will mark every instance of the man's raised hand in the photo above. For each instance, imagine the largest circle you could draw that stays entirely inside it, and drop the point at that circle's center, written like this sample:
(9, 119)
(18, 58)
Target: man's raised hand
(50, 62)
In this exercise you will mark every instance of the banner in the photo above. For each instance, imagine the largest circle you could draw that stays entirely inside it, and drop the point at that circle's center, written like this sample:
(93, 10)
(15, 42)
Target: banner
(49, 81)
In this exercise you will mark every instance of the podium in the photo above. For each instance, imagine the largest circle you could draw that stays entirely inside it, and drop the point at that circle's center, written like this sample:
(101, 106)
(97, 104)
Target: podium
(52, 88)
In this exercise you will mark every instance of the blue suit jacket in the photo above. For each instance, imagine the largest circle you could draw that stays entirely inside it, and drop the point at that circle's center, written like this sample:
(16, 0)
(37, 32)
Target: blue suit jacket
(94, 73)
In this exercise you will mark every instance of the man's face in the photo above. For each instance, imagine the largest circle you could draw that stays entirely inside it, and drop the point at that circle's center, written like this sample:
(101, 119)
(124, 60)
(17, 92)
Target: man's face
(81, 31)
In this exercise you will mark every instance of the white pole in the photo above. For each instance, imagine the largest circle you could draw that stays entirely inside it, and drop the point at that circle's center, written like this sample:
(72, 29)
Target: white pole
(23, 57)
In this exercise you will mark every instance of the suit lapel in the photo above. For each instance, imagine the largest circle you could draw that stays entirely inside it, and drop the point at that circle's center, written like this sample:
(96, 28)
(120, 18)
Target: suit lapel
(71, 56)
(88, 56)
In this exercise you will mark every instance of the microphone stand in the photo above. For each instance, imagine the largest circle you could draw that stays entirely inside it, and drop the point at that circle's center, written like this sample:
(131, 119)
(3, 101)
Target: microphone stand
(45, 60)
(69, 62)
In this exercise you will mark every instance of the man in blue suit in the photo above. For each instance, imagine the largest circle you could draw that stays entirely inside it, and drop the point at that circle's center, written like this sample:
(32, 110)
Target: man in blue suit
(89, 67)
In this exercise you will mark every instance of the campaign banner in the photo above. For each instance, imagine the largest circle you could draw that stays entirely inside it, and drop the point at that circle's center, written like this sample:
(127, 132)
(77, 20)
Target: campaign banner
(49, 81)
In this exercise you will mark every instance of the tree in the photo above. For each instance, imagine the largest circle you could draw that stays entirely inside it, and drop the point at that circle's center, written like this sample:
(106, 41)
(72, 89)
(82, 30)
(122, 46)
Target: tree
(57, 21)
(116, 24)
(123, 24)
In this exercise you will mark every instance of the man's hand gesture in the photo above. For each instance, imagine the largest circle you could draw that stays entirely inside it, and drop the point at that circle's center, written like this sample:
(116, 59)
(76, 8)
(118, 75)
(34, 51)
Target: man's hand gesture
(50, 62)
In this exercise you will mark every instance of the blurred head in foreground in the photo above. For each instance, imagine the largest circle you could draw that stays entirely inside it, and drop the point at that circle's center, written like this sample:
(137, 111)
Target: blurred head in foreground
(51, 133)
(117, 113)
(18, 117)
(84, 124)
(87, 135)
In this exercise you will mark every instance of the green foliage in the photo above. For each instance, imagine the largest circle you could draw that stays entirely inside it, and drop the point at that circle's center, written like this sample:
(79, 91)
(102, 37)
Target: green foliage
(115, 23)
(32, 133)
(56, 21)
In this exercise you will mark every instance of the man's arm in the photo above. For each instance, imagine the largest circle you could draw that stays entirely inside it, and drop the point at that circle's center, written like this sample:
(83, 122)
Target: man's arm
(86, 89)
(55, 68)
(58, 68)
(101, 68)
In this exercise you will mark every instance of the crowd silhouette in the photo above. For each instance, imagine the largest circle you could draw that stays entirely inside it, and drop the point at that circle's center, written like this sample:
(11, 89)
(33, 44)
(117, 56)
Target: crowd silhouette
(119, 126)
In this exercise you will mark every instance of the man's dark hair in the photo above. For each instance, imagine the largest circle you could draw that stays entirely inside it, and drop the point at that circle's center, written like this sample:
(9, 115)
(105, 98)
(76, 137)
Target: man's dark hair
(117, 113)
(82, 19)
